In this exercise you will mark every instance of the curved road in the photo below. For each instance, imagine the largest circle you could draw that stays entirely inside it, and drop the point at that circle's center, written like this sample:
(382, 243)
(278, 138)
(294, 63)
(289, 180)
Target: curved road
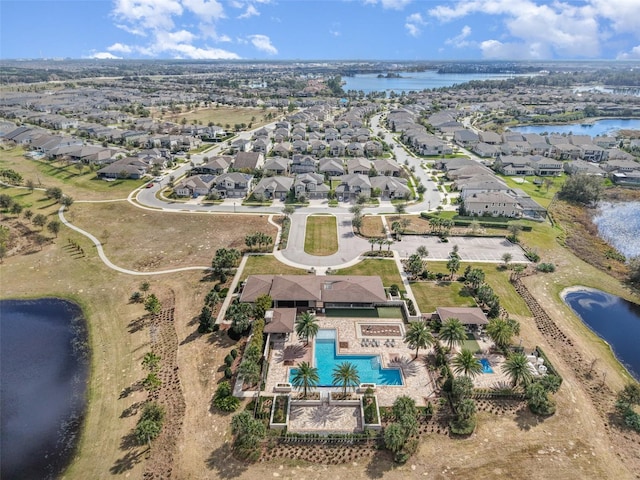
(350, 246)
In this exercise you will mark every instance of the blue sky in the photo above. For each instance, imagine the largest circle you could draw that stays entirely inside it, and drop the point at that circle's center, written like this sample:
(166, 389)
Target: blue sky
(326, 29)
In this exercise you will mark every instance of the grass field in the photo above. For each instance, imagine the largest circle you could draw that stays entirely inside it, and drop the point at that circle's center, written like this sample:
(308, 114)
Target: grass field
(321, 235)
(431, 295)
(225, 116)
(268, 265)
(81, 185)
(497, 279)
(151, 240)
(385, 268)
(538, 192)
(372, 226)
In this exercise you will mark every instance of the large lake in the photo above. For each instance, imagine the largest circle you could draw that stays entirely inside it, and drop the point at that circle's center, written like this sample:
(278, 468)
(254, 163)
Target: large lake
(619, 225)
(598, 127)
(614, 319)
(414, 81)
(44, 366)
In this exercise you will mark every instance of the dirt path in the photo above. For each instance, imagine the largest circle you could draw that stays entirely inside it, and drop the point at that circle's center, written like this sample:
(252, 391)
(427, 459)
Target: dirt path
(600, 394)
(164, 343)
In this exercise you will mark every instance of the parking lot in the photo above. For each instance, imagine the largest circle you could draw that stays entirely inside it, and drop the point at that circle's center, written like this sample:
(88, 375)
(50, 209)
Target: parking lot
(476, 249)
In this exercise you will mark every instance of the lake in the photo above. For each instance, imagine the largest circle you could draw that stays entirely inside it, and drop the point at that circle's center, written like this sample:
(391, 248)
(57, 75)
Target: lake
(619, 225)
(415, 81)
(615, 320)
(598, 127)
(44, 366)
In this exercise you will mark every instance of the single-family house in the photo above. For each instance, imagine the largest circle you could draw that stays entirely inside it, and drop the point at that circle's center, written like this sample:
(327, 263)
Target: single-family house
(129, 167)
(359, 165)
(195, 185)
(277, 187)
(337, 148)
(310, 185)
(331, 167)
(352, 185)
(276, 166)
(387, 167)
(248, 161)
(465, 138)
(282, 149)
(513, 165)
(233, 185)
(303, 164)
(545, 167)
(215, 165)
(390, 187)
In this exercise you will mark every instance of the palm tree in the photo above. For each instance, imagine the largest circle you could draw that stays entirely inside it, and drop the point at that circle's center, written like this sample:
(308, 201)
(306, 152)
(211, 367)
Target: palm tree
(373, 241)
(465, 363)
(345, 375)
(466, 409)
(452, 332)
(453, 265)
(306, 377)
(307, 326)
(517, 369)
(500, 331)
(418, 336)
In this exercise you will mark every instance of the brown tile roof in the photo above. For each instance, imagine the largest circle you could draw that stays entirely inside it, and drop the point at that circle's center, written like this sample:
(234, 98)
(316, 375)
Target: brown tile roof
(329, 288)
(282, 321)
(466, 315)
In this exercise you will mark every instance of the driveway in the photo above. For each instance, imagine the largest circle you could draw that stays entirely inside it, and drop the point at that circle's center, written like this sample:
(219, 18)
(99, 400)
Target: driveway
(349, 245)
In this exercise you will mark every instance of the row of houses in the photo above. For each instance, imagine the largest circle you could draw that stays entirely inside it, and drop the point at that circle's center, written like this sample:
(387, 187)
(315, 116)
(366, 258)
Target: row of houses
(483, 193)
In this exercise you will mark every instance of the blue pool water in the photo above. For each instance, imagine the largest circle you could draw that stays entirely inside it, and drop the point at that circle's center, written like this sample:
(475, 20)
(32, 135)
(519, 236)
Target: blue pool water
(368, 366)
(486, 366)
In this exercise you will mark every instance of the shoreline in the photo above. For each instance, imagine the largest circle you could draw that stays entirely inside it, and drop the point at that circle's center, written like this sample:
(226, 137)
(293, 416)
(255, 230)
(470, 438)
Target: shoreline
(582, 288)
(60, 455)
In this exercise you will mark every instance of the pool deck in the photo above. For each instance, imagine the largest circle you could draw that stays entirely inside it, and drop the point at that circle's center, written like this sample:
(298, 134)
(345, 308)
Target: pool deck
(352, 339)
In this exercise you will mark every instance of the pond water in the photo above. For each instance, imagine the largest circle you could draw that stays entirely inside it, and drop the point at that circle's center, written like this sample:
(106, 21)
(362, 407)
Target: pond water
(44, 366)
(614, 319)
(594, 129)
(415, 81)
(619, 225)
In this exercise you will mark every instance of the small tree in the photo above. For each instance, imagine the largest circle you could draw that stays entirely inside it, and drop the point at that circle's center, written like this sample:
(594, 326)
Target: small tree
(151, 361)
(54, 227)
(39, 220)
(152, 304)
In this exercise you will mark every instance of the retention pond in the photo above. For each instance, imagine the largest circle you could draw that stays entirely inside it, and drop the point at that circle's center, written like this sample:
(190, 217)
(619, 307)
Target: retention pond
(614, 319)
(44, 366)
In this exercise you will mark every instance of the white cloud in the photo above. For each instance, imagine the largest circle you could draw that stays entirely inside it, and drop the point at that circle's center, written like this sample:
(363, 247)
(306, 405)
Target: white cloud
(147, 14)
(460, 40)
(104, 56)
(633, 54)
(206, 10)
(263, 43)
(413, 24)
(389, 4)
(624, 15)
(496, 50)
(119, 47)
(539, 29)
(250, 12)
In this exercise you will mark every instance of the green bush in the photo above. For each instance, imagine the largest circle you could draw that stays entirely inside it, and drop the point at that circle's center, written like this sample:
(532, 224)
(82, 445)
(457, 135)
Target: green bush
(228, 360)
(227, 404)
(546, 267)
(228, 373)
(234, 353)
(465, 427)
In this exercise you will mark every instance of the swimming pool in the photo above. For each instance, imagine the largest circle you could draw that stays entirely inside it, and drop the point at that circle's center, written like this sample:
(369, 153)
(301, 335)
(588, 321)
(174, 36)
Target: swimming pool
(368, 366)
(486, 366)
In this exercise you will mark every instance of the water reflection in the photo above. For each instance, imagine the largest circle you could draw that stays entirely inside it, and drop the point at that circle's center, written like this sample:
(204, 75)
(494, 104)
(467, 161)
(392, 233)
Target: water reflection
(614, 319)
(44, 365)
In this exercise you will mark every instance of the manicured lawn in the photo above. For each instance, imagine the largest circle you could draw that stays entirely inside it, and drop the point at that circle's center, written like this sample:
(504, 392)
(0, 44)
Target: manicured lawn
(471, 344)
(267, 265)
(321, 236)
(430, 295)
(384, 268)
(497, 279)
(80, 184)
(538, 192)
